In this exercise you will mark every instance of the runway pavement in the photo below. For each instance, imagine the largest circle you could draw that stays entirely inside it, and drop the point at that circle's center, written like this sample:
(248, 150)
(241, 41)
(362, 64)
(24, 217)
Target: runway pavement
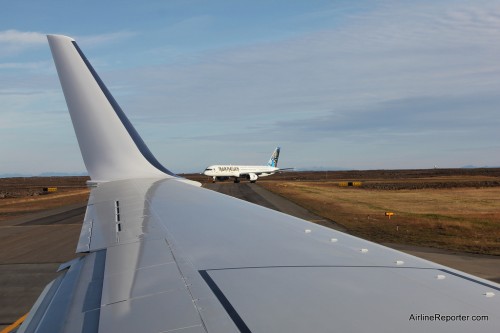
(32, 247)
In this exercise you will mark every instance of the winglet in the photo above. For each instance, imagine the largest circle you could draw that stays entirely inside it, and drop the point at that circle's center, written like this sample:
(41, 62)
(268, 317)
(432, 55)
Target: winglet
(111, 147)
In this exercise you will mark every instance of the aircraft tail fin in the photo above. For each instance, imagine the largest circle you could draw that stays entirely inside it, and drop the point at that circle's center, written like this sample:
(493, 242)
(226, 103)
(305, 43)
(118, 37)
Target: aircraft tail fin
(273, 161)
(111, 147)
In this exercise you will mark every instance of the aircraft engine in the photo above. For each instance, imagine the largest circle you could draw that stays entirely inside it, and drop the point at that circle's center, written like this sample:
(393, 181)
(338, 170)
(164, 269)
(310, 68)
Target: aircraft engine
(252, 177)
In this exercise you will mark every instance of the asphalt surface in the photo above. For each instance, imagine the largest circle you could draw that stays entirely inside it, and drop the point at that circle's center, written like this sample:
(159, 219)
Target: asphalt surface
(32, 247)
(71, 216)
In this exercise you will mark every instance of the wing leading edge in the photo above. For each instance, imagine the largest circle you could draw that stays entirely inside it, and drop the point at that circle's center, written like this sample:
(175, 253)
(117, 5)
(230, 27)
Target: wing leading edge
(162, 257)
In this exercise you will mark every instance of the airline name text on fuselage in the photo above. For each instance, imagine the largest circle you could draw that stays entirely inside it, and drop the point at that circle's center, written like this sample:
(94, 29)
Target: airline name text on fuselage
(228, 168)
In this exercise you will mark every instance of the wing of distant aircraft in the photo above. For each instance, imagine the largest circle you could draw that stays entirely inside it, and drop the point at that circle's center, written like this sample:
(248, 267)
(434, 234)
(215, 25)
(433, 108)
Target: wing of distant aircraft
(161, 256)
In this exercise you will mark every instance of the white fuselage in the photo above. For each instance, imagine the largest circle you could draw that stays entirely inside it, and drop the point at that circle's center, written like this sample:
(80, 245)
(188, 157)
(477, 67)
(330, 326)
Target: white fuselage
(239, 170)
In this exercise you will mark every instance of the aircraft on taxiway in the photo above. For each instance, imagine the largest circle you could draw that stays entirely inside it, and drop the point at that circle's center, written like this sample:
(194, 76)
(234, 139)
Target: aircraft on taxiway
(250, 172)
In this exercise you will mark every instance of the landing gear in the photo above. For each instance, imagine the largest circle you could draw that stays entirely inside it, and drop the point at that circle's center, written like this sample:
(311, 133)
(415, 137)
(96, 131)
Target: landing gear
(236, 180)
(253, 181)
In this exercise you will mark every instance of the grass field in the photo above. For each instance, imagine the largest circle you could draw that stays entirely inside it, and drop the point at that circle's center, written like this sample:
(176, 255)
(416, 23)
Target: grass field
(21, 196)
(465, 219)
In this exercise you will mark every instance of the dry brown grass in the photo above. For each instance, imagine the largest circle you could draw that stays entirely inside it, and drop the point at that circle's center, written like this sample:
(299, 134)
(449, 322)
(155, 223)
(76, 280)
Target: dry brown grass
(21, 196)
(16, 207)
(462, 219)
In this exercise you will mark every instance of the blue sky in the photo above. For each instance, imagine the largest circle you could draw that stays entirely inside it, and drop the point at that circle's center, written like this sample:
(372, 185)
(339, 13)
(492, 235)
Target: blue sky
(349, 84)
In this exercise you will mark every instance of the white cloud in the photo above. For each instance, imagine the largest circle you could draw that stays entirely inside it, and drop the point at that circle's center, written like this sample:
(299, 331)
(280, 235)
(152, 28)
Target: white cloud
(24, 65)
(94, 40)
(22, 37)
(13, 42)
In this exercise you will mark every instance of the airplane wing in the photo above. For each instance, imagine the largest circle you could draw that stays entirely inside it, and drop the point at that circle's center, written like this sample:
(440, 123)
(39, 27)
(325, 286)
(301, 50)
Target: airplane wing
(161, 256)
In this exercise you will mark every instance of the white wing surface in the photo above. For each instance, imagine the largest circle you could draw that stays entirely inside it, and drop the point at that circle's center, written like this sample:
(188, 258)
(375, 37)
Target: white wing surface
(161, 256)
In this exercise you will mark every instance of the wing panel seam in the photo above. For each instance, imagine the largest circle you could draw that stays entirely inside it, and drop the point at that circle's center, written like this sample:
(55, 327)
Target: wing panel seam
(353, 266)
(231, 311)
